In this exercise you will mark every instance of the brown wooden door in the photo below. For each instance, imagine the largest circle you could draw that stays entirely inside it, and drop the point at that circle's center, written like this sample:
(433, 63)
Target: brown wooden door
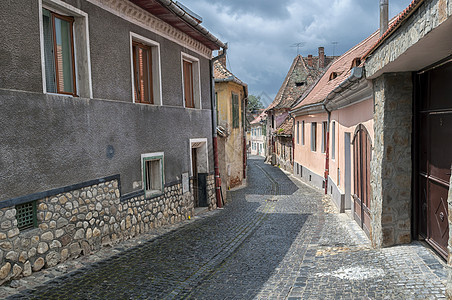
(434, 132)
(362, 147)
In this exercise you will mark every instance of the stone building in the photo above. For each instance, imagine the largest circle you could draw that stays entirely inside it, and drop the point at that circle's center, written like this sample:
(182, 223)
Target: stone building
(410, 69)
(231, 94)
(106, 117)
(303, 72)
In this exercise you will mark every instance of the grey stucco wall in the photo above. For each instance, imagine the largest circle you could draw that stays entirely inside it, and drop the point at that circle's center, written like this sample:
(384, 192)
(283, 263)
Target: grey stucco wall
(50, 141)
(20, 56)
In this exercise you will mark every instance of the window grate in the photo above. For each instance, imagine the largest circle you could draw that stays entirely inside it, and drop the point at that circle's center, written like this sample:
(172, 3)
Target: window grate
(26, 215)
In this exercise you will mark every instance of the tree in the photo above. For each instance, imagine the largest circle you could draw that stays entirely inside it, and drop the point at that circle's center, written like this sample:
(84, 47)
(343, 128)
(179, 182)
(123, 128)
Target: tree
(254, 103)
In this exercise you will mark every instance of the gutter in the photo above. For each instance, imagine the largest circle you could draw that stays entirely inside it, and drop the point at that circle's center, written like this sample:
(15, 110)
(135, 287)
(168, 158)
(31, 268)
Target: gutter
(214, 128)
(172, 6)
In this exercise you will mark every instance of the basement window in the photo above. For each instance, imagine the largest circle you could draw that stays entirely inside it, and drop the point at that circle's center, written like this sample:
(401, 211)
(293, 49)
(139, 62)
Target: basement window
(152, 173)
(26, 215)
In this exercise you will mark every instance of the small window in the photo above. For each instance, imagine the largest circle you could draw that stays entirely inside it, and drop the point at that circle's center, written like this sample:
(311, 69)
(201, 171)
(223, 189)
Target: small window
(153, 179)
(324, 136)
(26, 215)
(235, 111)
(191, 81)
(298, 132)
(59, 53)
(301, 83)
(333, 75)
(314, 136)
(302, 133)
(356, 62)
(142, 71)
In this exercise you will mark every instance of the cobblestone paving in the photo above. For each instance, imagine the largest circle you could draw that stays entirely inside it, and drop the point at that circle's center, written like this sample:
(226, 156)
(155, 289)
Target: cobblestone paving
(276, 239)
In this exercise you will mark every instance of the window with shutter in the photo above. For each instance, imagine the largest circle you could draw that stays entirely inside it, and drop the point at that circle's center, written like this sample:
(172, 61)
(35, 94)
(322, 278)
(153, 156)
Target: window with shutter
(188, 84)
(142, 67)
(235, 111)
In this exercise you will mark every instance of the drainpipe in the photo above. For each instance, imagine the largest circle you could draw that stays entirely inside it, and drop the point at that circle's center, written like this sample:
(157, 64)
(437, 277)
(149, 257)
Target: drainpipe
(214, 127)
(327, 149)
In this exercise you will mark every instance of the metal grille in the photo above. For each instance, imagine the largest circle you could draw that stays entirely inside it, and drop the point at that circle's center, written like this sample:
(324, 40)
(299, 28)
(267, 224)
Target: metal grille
(26, 215)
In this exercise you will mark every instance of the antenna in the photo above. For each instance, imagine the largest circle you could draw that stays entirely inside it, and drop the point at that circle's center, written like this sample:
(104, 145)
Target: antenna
(298, 45)
(334, 46)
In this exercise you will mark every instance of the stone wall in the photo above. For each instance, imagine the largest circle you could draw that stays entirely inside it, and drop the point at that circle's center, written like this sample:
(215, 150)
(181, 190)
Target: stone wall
(82, 220)
(391, 166)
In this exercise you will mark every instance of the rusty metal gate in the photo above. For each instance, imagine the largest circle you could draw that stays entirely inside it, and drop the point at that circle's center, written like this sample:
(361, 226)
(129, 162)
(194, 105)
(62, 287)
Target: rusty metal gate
(362, 146)
(434, 154)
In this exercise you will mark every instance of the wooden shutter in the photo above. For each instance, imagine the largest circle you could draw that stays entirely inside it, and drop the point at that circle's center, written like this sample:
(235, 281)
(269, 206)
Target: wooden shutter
(142, 64)
(188, 84)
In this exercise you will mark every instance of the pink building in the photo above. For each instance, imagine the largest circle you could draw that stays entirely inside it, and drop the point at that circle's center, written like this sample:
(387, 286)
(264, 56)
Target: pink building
(333, 133)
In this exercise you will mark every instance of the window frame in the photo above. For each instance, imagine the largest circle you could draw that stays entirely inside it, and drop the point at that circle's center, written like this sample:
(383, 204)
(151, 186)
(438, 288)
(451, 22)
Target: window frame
(235, 107)
(333, 140)
(155, 156)
(302, 133)
(324, 136)
(314, 136)
(34, 215)
(196, 80)
(81, 51)
(298, 132)
(156, 67)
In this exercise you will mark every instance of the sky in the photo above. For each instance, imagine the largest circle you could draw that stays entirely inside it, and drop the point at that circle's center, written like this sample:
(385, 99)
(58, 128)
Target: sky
(261, 34)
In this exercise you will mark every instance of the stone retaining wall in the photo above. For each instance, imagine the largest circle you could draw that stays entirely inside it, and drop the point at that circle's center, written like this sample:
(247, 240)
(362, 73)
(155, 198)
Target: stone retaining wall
(83, 220)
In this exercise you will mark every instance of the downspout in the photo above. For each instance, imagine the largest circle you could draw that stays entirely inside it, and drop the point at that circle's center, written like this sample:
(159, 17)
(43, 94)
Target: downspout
(214, 128)
(327, 149)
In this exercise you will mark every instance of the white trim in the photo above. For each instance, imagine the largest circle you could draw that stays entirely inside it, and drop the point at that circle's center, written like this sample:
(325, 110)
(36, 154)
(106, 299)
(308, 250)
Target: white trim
(140, 17)
(63, 8)
(156, 67)
(202, 141)
(153, 156)
(196, 79)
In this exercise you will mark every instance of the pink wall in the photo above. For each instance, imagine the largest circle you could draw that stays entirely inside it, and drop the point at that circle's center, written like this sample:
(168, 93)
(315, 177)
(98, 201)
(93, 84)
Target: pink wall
(346, 120)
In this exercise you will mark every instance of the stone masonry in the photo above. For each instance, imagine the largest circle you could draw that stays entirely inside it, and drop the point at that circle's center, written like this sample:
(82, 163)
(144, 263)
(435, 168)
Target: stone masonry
(391, 161)
(83, 220)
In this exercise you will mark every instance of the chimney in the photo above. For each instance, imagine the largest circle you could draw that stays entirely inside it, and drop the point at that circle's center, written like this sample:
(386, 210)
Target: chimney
(222, 60)
(383, 16)
(310, 60)
(321, 57)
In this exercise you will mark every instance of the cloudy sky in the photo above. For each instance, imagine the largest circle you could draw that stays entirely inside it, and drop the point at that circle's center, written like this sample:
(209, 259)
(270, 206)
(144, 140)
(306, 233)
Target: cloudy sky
(260, 33)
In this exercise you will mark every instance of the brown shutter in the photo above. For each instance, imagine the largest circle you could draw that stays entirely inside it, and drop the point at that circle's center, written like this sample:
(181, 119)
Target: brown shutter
(188, 84)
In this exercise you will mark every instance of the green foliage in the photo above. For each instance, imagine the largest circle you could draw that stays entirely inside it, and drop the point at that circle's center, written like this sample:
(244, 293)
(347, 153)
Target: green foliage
(254, 103)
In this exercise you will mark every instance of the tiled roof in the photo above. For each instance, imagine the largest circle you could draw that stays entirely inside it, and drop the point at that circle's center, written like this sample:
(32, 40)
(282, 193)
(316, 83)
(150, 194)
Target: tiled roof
(221, 73)
(286, 127)
(259, 118)
(299, 78)
(395, 24)
(339, 70)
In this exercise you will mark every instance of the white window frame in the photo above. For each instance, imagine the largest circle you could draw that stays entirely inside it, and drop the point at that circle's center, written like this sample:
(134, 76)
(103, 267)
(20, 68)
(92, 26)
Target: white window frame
(298, 132)
(333, 140)
(302, 133)
(313, 136)
(83, 80)
(324, 131)
(196, 79)
(156, 67)
(202, 144)
(160, 156)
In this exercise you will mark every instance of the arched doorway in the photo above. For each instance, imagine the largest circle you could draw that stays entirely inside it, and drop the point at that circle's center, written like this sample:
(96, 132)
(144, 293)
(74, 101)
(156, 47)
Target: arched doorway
(362, 150)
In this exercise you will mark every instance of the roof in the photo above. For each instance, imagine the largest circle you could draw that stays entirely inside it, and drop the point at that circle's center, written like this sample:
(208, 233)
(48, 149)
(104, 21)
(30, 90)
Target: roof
(300, 77)
(259, 118)
(222, 74)
(341, 68)
(285, 128)
(181, 18)
(395, 24)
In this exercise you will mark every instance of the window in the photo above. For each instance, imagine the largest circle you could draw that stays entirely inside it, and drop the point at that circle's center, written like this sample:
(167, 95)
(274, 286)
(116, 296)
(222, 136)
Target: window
(314, 136)
(26, 215)
(65, 55)
(235, 111)
(333, 140)
(145, 65)
(298, 132)
(302, 133)
(59, 53)
(191, 82)
(273, 122)
(152, 168)
(324, 136)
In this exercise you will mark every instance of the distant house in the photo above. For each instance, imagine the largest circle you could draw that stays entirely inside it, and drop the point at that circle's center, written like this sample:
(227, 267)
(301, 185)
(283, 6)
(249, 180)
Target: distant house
(303, 72)
(231, 94)
(258, 135)
(106, 117)
(336, 113)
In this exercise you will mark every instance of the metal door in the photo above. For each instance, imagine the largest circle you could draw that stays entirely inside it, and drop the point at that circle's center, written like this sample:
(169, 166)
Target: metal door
(362, 146)
(434, 133)
(194, 160)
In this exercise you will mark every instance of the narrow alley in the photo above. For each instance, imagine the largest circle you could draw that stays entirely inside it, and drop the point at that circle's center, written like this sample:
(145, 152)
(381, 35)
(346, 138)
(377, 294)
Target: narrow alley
(277, 238)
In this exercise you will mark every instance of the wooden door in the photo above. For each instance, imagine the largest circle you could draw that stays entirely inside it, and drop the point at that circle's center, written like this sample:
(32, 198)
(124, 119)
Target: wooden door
(362, 146)
(434, 133)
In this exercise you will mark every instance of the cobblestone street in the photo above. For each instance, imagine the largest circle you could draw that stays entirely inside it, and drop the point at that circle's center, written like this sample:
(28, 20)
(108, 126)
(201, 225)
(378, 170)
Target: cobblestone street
(277, 238)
